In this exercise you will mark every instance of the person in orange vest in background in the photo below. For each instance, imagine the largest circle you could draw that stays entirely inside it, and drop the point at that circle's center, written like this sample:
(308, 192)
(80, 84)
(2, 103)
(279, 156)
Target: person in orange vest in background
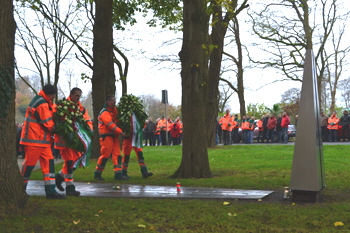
(333, 121)
(181, 130)
(163, 130)
(284, 124)
(70, 156)
(170, 124)
(36, 137)
(271, 125)
(109, 142)
(175, 131)
(251, 128)
(157, 133)
(245, 126)
(226, 126)
(259, 124)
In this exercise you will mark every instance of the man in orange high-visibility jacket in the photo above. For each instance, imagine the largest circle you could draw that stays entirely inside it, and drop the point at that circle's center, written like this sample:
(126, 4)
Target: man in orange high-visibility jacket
(163, 130)
(333, 127)
(170, 125)
(226, 126)
(109, 140)
(70, 156)
(36, 137)
(259, 124)
(157, 133)
(245, 126)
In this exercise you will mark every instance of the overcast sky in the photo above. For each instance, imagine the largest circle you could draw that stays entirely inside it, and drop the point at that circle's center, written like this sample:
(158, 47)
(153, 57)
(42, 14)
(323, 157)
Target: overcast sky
(146, 77)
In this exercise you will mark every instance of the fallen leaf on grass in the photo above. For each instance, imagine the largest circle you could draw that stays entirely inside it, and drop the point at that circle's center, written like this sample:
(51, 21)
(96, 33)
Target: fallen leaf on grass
(336, 224)
(226, 203)
(234, 215)
(76, 222)
(100, 211)
(141, 226)
(97, 215)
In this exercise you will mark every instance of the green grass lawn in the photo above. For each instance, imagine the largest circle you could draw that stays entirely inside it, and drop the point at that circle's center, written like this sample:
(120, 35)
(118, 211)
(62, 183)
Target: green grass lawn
(265, 167)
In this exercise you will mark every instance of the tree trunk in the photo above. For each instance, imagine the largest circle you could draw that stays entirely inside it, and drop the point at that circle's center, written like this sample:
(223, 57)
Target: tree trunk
(12, 194)
(195, 161)
(240, 71)
(103, 77)
(212, 98)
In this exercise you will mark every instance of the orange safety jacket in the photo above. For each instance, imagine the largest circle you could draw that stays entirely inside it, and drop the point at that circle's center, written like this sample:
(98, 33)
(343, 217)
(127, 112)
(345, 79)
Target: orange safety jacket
(58, 140)
(181, 127)
(38, 123)
(335, 121)
(234, 124)
(260, 125)
(226, 122)
(170, 124)
(245, 125)
(161, 125)
(157, 132)
(107, 122)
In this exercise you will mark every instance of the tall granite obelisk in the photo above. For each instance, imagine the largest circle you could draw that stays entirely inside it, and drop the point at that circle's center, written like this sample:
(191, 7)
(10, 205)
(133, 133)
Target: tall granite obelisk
(308, 175)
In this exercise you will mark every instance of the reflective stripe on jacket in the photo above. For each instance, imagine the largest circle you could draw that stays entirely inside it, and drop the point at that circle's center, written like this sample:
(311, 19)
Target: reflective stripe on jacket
(38, 123)
(161, 125)
(245, 125)
(107, 122)
(226, 123)
(335, 121)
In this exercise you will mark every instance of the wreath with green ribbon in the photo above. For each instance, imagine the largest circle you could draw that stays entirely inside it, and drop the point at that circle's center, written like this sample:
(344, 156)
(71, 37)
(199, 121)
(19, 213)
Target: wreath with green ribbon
(127, 105)
(65, 117)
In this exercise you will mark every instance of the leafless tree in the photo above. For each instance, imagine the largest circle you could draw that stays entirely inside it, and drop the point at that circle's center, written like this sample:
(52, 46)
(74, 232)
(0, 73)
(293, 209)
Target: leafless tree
(44, 43)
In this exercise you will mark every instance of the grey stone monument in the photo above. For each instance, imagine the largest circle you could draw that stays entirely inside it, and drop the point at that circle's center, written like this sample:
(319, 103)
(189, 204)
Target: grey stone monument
(308, 176)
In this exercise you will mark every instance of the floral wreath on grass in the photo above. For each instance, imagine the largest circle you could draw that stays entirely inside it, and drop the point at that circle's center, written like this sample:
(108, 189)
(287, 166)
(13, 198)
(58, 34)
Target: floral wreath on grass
(126, 106)
(66, 115)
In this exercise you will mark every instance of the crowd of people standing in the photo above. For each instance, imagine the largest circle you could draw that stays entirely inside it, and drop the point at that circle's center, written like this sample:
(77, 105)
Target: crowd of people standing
(230, 129)
(163, 132)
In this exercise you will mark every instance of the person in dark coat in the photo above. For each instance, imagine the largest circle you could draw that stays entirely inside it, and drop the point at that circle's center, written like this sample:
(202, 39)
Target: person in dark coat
(265, 129)
(150, 129)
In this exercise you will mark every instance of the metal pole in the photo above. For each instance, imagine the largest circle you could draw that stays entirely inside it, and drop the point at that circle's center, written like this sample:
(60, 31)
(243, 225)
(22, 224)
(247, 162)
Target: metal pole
(166, 130)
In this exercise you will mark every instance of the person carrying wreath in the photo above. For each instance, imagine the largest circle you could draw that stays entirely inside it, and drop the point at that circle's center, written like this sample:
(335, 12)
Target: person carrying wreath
(109, 139)
(69, 155)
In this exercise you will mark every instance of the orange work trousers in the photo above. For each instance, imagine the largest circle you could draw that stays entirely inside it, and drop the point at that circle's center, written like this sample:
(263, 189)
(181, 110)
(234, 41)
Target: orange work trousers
(70, 156)
(109, 146)
(45, 157)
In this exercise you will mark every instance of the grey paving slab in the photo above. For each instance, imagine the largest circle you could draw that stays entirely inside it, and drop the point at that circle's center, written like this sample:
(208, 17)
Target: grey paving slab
(149, 191)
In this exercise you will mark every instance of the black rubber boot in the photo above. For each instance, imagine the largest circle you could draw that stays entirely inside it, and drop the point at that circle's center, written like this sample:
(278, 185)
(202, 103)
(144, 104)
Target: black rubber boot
(59, 180)
(147, 174)
(55, 196)
(70, 191)
(98, 176)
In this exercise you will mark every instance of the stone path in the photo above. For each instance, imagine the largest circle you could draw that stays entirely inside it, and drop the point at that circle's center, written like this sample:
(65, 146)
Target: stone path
(108, 190)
